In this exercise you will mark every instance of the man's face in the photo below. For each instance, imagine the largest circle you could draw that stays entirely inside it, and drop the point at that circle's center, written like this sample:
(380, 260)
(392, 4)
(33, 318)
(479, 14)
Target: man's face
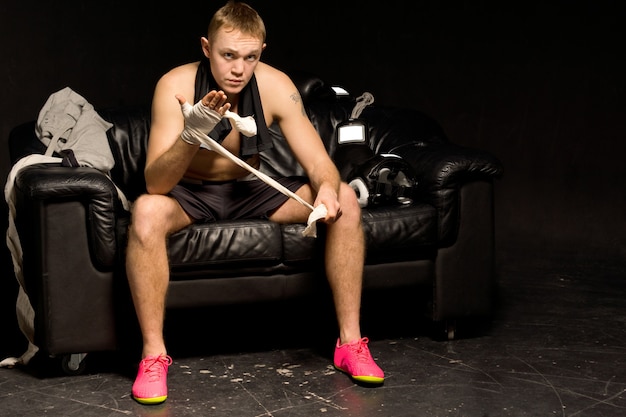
(233, 56)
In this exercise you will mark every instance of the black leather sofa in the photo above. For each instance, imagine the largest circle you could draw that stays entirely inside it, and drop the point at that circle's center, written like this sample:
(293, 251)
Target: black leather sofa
(72, 228)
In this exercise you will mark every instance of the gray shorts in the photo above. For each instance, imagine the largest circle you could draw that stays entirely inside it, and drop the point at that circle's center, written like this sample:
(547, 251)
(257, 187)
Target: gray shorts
(232, 200)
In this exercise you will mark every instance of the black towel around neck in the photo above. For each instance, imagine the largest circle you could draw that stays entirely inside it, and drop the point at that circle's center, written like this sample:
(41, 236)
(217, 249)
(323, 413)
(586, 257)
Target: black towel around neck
(249, 105)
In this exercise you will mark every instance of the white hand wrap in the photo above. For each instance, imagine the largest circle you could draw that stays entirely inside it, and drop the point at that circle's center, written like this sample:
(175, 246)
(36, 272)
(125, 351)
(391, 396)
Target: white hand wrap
(199, 121)
(245, 125)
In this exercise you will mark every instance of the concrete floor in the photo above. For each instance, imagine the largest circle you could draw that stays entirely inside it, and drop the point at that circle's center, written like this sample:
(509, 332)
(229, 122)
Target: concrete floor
(555, 347)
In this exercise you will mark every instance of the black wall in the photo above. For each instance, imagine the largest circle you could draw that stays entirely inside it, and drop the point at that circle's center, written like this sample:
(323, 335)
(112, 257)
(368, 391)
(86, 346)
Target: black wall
(538, 83)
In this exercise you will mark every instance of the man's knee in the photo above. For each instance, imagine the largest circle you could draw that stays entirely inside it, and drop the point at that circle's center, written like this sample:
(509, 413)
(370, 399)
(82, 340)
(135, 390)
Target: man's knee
(155, 214)
(349, 204)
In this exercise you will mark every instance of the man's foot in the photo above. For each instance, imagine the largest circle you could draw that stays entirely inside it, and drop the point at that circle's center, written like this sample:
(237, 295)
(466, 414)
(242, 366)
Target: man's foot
(356, 360)
(150, 386)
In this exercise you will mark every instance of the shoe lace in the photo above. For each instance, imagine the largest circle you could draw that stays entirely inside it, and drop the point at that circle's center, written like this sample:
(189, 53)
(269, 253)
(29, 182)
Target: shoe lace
(154, 366)
(362, 351)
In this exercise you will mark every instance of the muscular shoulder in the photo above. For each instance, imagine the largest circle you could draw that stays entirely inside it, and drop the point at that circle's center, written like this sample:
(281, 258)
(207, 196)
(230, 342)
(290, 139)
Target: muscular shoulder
(277, 90)
(267, 74)
(179, 80)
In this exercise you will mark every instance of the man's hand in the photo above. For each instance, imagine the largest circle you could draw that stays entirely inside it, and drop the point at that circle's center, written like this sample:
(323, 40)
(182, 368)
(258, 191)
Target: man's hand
(202, 117)
(328, 196)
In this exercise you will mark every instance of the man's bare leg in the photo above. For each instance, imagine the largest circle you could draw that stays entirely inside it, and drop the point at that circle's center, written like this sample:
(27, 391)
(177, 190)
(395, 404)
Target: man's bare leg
(153, 218)
(345, 248)
(345, 256)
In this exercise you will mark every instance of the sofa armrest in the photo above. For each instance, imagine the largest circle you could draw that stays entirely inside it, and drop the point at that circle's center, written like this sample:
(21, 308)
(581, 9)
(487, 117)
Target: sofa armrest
(49, 183)
(442, 169)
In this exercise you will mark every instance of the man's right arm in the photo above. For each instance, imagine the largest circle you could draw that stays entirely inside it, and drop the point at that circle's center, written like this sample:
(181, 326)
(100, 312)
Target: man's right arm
(167, 157)
(177, 129)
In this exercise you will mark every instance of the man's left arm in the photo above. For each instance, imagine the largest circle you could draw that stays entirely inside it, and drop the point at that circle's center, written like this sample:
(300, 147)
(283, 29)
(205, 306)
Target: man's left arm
(310, 152)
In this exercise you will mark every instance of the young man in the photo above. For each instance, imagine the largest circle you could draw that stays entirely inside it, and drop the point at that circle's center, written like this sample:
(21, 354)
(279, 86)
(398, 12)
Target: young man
(186, 183)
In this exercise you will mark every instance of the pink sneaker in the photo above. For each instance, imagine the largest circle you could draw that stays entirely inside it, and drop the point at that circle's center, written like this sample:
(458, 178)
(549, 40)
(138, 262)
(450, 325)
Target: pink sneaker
(150, 386)
(356, 360)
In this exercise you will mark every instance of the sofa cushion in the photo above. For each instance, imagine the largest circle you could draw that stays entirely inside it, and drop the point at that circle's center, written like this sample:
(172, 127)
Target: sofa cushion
(225, 245)
(297, 249)
(391, 232)
(400, 233)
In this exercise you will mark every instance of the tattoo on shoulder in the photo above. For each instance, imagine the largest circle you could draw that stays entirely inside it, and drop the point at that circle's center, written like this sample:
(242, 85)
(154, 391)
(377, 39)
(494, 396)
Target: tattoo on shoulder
(296, 97)
(298, 100)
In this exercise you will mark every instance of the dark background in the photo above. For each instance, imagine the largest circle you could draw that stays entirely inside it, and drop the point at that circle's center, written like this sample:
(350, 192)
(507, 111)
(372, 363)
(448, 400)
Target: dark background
(540, 84)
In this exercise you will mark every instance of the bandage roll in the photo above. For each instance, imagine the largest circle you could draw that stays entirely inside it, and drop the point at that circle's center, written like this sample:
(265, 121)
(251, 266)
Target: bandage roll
(362, 193)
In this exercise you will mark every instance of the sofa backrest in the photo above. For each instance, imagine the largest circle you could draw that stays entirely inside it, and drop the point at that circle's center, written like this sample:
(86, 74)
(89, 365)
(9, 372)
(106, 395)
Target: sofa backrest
(128, 139)
(389, 128)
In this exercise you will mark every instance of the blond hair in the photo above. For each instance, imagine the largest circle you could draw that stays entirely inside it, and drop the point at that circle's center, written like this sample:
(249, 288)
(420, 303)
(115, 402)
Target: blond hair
(240, 16)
